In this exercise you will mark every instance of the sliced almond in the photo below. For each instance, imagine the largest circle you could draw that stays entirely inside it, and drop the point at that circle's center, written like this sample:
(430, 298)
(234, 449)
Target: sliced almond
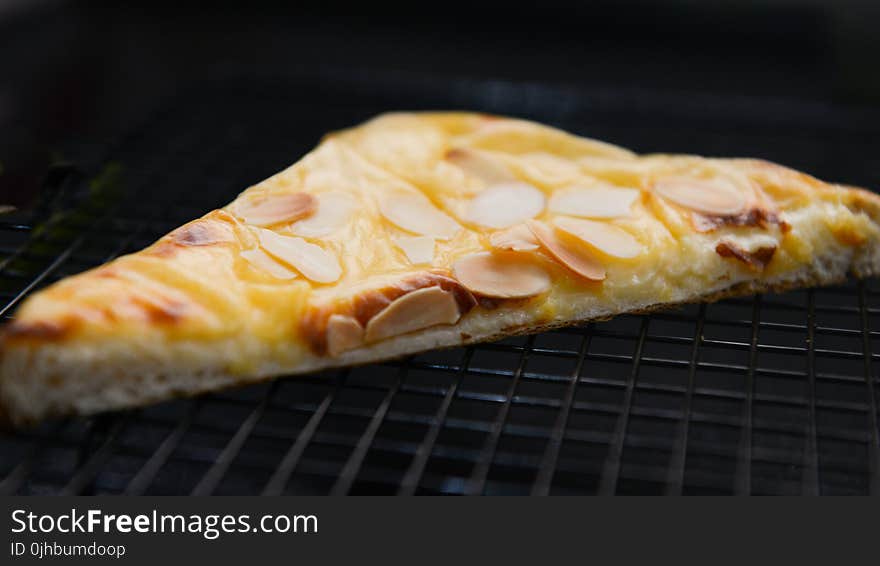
(315, 263)
(505, 204)
(203, 232)
(479, 164)
(607, 238)
(420, 309)
(502, 276)
(594, 202)
(274, 209)
(576, 258)
(343, 333)
(333, 212)
(414, 213)
(264, 262)
(711, 196)
(418, 249)
(517, 238)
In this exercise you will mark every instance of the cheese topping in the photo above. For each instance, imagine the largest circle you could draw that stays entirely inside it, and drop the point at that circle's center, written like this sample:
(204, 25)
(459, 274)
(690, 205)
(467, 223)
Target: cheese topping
(416, 221)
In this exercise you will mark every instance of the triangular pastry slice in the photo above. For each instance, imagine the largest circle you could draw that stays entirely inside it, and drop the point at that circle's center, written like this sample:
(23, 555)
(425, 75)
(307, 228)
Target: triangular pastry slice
(421, 231)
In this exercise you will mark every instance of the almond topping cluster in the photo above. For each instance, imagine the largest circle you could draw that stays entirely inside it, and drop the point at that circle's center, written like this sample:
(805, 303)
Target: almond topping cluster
(315, 263)
(384, 309)
(579, 234)
(571, 254)
(512, 208)
(284, 257)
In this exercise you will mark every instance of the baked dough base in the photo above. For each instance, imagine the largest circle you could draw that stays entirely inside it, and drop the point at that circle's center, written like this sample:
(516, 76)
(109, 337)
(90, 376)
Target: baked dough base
(92, 379)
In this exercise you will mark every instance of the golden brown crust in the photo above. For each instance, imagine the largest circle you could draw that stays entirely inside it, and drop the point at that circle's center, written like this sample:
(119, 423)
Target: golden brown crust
(37, 331)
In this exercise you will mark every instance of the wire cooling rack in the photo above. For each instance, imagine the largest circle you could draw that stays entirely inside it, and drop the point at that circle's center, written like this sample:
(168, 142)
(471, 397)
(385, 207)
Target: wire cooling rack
(766, 394)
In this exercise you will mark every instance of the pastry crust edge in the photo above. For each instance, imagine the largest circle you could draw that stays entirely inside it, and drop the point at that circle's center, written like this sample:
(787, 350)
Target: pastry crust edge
(22, 400)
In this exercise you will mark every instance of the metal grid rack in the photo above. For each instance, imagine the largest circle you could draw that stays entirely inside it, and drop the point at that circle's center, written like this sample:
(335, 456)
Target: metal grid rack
(763, 395)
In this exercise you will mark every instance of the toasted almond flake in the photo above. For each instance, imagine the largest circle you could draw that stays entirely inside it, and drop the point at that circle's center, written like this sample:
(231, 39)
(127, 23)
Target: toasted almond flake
(423, 308)
(418, 249)
(315, 263)
(711, 196)
(203, 232)
(500, 275)
(333, 212)
(264, 262)
(577, 259)
(594, 202)
(477, 163)
(343, 333)
(517, 238)
(607, 238)
(505, 204)
(274, 209)
(414, 213)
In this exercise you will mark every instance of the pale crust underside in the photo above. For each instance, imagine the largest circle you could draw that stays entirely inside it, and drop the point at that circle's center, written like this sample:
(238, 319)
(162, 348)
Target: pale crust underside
(96, 387)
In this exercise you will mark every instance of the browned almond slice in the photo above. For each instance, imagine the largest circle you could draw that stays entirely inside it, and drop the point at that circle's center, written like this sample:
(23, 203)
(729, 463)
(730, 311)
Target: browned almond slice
(414, 213)
(264, 262)
(315, 263)
(418, 249)
(576, 259)
(274, 209)
(517, 238)
(505, 204)
(502, 276)
(203, 232)
(343, 333)
(477, 163)
(594, 202)
(711, 196)
(420, 309)
(607, 238)
(333, 212)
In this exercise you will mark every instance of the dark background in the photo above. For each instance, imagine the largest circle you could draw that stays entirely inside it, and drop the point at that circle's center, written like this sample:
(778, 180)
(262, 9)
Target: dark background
(77, 74)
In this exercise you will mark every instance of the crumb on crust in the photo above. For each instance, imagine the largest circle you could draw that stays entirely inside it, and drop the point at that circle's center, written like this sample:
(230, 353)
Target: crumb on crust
(755, 260)
(755, 217)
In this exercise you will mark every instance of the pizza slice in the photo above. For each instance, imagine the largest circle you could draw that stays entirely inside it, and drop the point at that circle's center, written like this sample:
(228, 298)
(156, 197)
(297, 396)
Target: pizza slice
(421, 231)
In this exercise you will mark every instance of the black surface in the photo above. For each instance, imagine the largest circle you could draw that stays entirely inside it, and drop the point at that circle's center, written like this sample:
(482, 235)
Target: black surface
(773, 394)
(77, 74)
